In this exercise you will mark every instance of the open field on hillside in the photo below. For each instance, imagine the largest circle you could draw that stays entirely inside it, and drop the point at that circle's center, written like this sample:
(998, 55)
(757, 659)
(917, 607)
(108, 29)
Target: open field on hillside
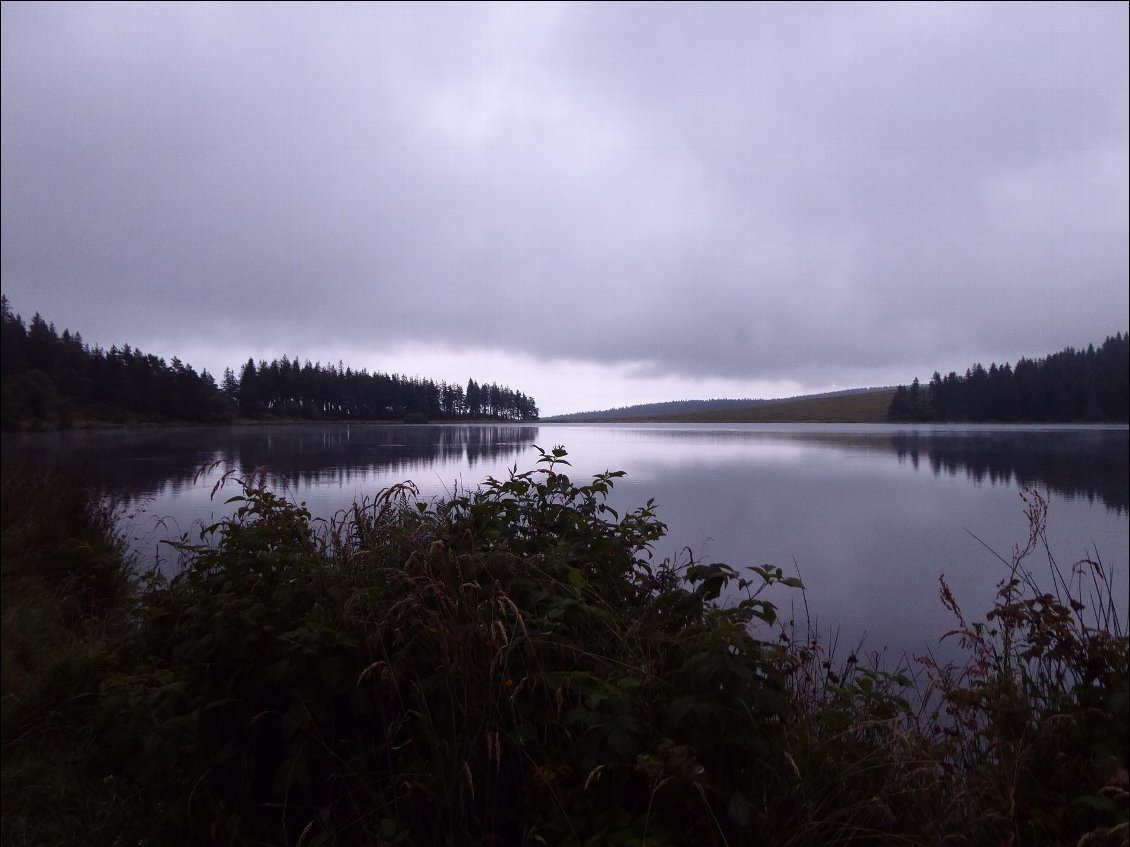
(862, 407)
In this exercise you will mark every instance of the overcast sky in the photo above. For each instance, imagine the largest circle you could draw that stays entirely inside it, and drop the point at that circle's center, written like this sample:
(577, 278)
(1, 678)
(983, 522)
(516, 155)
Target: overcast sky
(595, 204)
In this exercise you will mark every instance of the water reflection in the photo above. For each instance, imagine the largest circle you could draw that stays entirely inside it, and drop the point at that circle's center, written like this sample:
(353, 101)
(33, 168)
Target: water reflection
(150, 463)
(1091, 463)
(1086, 463)
(870, 515)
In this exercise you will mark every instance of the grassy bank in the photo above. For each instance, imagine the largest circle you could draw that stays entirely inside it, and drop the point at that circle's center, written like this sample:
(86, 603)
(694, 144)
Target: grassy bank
(863, 406)
(509, 666)
(860, 407)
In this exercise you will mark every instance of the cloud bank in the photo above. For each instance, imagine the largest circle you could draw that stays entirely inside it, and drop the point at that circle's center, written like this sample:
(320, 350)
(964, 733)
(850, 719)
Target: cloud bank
(809, 196)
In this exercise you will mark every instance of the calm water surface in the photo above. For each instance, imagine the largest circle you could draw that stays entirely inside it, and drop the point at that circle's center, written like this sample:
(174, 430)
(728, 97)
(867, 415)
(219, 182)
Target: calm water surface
(870, 516)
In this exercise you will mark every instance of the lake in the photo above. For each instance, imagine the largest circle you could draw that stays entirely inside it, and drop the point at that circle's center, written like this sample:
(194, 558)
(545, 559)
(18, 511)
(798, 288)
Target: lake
(869, 516)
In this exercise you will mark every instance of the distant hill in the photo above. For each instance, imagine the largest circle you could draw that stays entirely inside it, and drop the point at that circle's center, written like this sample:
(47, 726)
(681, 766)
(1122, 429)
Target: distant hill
(856, 405)
(649, 409)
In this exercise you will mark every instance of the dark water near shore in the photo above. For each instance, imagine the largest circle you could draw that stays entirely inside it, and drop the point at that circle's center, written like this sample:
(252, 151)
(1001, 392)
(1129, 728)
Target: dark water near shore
(870, 516)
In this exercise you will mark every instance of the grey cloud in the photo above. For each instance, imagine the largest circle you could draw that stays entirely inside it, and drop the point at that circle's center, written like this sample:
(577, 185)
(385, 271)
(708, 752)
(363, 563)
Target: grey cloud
(751, 191)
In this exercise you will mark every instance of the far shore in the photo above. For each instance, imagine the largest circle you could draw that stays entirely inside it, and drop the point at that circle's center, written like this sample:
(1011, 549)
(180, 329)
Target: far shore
(867, 407)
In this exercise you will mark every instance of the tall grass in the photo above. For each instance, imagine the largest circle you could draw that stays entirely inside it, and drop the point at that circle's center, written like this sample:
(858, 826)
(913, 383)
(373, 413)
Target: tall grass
(1024, 741)
(511, 666)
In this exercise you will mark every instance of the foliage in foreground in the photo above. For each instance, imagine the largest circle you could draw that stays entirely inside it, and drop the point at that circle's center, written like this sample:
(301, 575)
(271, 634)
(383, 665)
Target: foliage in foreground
(66, 596)
(509, 666)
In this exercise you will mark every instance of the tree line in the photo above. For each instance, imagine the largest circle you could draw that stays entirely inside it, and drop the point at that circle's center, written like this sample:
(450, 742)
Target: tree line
(52, 376)
(1072, 385)
(315, 391)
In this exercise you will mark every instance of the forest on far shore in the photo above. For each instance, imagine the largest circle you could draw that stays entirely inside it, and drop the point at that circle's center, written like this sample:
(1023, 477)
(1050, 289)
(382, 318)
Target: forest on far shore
(55, 379)
(1091, 385)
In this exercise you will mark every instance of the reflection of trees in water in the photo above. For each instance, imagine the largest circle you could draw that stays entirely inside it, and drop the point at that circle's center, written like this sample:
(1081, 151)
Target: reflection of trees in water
(1092, 464)
(141, 464)
(1087, 465)
(335, 456)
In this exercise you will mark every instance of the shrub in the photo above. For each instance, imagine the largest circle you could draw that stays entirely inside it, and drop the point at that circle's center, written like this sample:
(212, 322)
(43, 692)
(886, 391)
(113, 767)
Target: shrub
(510, 665)
(1036, 720)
